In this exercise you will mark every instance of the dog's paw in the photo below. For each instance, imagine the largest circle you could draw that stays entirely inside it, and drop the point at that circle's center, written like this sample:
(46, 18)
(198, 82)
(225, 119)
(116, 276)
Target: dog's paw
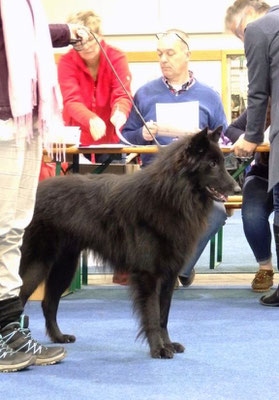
(164, 352)
(178, 348)
(64, 339)
(69, 338)
(175, 347)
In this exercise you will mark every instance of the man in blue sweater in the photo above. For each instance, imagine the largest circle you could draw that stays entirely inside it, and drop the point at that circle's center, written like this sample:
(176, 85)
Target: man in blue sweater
(177, 85)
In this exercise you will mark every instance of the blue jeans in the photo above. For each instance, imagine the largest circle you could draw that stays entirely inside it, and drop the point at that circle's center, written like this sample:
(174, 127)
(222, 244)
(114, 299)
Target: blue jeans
(216, 220)
(256, 208)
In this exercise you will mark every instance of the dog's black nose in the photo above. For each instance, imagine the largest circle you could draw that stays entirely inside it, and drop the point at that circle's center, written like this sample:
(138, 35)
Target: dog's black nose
(237, 188)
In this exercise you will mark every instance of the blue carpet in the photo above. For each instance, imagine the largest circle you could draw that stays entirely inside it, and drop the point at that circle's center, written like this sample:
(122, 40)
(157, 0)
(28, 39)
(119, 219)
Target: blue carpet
(231, 350)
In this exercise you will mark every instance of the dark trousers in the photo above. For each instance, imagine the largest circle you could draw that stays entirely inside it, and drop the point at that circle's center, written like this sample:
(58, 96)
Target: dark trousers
(256, 209)
(10, 311)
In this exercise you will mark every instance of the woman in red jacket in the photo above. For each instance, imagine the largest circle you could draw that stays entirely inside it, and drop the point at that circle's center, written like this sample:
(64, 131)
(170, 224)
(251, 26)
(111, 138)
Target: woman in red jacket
(93, 98)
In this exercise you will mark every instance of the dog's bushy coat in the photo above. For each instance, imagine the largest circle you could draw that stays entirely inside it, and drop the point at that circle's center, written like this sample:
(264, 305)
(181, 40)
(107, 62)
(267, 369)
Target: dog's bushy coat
(147, 223)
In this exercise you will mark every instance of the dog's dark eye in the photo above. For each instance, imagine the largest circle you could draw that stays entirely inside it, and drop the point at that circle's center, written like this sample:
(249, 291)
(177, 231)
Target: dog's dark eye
(212, 163)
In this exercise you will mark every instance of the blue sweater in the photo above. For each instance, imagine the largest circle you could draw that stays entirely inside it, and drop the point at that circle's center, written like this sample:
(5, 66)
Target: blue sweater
(211, 111)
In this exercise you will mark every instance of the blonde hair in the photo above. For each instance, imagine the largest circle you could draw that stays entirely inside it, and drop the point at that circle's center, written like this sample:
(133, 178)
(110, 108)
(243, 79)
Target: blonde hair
(87, 18)
(239, 5)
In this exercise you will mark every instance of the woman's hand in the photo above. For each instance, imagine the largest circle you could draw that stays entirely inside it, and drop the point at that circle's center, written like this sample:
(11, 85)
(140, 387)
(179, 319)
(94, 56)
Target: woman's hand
(118, 119)
(243, 149)
(79, 32)
(97, 128)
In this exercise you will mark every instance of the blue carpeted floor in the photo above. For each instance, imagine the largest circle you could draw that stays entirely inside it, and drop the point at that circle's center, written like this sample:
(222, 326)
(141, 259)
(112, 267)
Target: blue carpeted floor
(231, 350)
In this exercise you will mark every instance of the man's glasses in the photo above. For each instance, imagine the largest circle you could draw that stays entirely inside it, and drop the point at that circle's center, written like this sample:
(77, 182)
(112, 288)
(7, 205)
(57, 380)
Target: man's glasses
(163, 34)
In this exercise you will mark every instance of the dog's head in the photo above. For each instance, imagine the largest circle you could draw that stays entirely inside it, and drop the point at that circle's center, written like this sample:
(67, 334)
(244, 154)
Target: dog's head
(198, 160)
(209, 167)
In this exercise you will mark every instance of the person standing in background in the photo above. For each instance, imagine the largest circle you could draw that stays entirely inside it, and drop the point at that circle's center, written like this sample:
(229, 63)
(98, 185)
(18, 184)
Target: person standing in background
(29, 117)
(257, 25)
(257, 206)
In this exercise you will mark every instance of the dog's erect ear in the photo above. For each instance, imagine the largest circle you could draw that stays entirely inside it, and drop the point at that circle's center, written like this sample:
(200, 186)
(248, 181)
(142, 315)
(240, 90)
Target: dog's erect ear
(215, 135)
(199, 142)
(191, 154)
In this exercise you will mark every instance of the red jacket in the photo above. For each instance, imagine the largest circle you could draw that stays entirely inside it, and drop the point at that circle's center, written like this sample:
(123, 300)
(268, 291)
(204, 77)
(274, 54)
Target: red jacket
(84, 98)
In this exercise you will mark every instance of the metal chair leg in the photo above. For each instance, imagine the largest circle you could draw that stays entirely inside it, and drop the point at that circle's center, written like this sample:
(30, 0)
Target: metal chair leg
(212, 252)
(220, 245)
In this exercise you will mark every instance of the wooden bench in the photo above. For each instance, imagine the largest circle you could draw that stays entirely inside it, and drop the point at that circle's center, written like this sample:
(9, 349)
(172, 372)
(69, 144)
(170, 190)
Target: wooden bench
(216, 243)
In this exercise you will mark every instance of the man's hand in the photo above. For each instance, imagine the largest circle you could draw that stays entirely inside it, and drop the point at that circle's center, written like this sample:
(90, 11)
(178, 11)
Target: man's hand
(153, 127)
(118, 119)
(97, 128)
(243, 148)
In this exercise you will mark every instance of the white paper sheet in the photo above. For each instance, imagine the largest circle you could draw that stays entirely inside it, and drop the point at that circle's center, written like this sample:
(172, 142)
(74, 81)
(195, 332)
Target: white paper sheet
(68, 135)
(177, 118)
(121, 137)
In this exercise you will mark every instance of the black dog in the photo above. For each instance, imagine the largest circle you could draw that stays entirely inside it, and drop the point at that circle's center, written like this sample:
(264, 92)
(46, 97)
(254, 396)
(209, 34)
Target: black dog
(147, 224)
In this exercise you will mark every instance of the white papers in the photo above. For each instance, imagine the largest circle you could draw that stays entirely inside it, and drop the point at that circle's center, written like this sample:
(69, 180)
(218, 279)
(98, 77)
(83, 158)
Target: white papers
(176, 119)
(68, 135)
(121, 137)
(266, 136)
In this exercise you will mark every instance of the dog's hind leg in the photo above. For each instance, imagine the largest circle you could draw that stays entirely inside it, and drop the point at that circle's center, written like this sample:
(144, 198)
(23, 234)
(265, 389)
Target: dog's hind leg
(32, 274)
(58, 281)
(167, 287)
(146, 288)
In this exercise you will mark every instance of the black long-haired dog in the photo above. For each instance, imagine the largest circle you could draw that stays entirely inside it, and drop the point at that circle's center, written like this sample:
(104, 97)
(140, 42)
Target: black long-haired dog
(147, 223)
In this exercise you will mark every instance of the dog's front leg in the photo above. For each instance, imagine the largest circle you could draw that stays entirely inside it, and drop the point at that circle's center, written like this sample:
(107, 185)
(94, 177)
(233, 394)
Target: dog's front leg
(146, 289)
(167, 287)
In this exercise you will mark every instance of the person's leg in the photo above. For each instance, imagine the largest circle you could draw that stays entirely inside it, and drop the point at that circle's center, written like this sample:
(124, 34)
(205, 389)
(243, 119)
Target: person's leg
(273, 299)
(11, 166)
(19, 172)
(216, 220)
(256, 209)
(276, 221)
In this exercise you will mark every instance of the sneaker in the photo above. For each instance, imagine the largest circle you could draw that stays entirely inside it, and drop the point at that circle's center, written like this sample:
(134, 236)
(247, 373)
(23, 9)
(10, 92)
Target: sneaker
(11, 361)
(263, 280)
(19, 340)
(187, 280)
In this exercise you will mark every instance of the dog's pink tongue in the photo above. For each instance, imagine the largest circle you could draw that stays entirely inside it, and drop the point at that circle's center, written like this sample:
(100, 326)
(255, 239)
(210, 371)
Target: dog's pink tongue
(221, 197)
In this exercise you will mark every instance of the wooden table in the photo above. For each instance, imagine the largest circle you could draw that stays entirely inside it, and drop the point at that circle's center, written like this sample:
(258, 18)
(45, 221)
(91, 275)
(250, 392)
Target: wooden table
(73, 152)
(135, 149)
